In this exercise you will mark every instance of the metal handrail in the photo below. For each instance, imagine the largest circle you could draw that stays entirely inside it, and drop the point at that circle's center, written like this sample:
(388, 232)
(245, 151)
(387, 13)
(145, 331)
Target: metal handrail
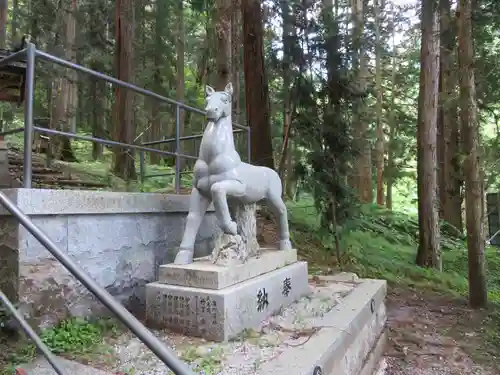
(32, 334)
(167, 356)
(31, 52)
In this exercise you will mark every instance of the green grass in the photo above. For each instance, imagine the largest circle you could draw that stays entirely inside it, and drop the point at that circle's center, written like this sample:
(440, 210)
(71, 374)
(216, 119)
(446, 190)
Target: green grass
(72, 338)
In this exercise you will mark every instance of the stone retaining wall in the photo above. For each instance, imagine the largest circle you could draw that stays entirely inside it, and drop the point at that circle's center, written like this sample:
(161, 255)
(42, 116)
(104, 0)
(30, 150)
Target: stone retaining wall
(119, 239)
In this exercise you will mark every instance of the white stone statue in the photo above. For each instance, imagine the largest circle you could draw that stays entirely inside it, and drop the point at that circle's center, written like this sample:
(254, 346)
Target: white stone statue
(220, 174)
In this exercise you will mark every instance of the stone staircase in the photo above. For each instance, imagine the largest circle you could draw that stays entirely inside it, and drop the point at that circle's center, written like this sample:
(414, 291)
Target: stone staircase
(46, 177)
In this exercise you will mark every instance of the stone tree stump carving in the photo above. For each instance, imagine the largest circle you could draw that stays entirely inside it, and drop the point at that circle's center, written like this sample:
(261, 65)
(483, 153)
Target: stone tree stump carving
(236, 249)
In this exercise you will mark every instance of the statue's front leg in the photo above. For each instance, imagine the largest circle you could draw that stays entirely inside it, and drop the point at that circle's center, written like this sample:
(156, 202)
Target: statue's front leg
(220, 191)
(198, 205)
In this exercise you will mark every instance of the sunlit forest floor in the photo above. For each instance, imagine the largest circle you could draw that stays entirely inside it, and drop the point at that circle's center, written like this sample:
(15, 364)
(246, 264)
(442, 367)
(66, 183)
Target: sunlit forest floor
(431, 329)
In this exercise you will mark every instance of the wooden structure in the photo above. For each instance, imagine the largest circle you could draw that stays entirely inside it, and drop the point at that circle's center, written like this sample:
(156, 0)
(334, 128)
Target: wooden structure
(12, 79)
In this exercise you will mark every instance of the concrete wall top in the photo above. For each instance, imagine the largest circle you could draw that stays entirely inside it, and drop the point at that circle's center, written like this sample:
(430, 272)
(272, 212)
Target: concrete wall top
(77, 202)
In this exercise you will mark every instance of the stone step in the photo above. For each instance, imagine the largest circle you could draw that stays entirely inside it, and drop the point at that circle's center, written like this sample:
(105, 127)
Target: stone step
(41, 367)
(204, 274)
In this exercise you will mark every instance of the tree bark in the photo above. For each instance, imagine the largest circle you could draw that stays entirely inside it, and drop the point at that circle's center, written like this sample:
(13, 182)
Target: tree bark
(124, 127)
(179, 89)
(4, 17)
(222, 25)
(155, 133)
(389, 172)
(428, 205)
(236, 39)
(448, 128)
(478, 294)
(15, 20)
(379, 146)
(363, 180)
(64, 89)
(256, 85)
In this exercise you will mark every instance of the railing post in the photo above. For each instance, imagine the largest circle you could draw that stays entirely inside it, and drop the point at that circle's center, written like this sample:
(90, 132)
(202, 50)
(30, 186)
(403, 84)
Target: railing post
(28, 114)
(142, 167)
(249, 148)
(177, 149)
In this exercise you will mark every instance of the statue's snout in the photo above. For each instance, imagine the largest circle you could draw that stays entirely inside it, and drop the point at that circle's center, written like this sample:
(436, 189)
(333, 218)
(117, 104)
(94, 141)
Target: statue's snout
(212, 113)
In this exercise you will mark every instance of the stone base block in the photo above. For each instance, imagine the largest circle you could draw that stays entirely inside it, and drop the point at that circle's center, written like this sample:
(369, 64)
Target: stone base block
(204, 274)
(223, 314)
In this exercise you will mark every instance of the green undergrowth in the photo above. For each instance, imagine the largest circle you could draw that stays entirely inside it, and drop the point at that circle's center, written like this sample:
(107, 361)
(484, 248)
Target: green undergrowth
(71, 338)
(383, 244)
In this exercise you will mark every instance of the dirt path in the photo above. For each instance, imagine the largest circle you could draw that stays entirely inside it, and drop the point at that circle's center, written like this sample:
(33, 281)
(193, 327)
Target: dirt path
(434, 335)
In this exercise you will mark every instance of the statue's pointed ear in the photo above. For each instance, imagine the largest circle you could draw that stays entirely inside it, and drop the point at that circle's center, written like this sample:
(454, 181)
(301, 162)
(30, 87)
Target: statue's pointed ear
(209, 90)
(229, 88)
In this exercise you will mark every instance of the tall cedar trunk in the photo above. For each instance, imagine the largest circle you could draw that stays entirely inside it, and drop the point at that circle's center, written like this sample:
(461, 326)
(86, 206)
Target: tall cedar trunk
(478, 294)
(124, 126)
(15, 20)
(222, 43)
(179, 89)
(392, 120)
(4, 15)
(363, 180)
(379, 146)
(428, 205)
(236, 60)
(288, 31)
(448, 132)
(256, 86)
(97, 38)
(161, 12)
(98, 92)
(64, 89)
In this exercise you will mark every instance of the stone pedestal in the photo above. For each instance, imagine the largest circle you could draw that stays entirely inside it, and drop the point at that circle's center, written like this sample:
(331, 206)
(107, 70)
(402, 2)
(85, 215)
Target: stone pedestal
(218, 303)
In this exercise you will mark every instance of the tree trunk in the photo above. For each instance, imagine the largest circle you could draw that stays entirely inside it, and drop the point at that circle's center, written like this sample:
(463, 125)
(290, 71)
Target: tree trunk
(64, 90)
(363, 180)
(428, 205)
(236, 60)
(124, 126)
(256, 85)
(15, 20)
(4, 17)
(155, 133)
(379, 146)
(97, 39)
(448, 132)
(222, 43)
(392, 119)
(478, 294)
(288, 31)
(179, 90)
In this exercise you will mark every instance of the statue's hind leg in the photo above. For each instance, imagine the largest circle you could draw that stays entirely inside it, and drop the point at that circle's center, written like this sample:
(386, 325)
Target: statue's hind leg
(198, 205)
(277, 205)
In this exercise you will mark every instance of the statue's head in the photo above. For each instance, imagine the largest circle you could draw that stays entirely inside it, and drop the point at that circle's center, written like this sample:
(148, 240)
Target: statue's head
(218, 102)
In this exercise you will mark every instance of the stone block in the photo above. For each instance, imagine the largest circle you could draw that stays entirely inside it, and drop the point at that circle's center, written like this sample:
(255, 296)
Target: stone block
(204, 274)
(223, 314)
